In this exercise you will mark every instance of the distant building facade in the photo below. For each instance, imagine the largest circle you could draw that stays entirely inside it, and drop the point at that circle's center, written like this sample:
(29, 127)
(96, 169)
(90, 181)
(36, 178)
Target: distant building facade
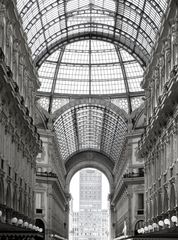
(91, 222)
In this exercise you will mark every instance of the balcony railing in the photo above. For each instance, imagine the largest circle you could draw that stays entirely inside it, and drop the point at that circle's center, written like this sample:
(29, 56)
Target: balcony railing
(140, 211)
(46, 174)
(133, 175)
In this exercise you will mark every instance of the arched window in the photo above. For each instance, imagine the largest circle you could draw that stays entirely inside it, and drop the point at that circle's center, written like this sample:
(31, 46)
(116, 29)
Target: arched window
(20, 202)
(15, 199)
(138, 225)
(8, 196)
(1, 192)
(166, 198)
(39, 223)
(155, 207)
(172, 197)
(3, 34)
(160, 203)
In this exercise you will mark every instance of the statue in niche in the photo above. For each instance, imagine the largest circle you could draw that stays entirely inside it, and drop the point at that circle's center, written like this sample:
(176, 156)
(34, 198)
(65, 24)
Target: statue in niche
(41, 157)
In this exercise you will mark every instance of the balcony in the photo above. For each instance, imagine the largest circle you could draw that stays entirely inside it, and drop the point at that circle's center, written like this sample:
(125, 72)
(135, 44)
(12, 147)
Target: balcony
(46, 174)
(134, 175)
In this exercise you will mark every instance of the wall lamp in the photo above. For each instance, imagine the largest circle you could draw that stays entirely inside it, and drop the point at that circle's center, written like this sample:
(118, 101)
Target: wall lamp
(167, 222)
(161, 223)
(174, 220)
(155, 225)
(14, 220)
(20, 222)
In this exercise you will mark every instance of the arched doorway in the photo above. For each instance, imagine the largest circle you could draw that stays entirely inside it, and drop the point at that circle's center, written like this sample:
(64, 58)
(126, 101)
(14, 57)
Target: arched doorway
(1, 192)
(139, 224)
(39, 223)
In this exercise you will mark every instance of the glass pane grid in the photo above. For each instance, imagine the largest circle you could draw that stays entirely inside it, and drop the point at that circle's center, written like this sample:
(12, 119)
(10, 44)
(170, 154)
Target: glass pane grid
(44, 103)
(47, 70)
(48, 18)
(46, 84)
(134, 84)
(136, 102)
(106, 78)
(89, 127)
(122, 103)
(58, 103)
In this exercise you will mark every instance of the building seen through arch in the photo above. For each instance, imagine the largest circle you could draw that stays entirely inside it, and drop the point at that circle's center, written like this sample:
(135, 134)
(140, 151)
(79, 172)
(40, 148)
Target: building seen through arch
(88, 84)
(91, 220)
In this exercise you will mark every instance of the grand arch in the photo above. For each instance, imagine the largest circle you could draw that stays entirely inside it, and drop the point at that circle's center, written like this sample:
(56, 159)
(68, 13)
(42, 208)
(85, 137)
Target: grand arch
(89, 159)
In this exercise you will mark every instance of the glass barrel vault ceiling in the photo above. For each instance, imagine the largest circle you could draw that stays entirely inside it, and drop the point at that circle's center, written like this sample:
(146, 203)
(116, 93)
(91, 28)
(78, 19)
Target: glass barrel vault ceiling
(90, 127)
(65, 40)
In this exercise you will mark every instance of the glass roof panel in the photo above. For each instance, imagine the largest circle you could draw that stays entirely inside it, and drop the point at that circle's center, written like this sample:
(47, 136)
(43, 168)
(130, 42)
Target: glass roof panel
(134, 84)
(136, 102)
(44, 102)
(133, 69)
(122, 103)
(46, 84)
(58, 103)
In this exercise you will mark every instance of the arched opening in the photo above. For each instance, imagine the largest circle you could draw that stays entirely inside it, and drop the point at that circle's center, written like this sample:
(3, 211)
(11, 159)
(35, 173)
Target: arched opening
(39, 223)
(8, 196)
(160, 203)
(20, 202)
(139, 224)
(166, 200)
(155, 207)
(1, 192)
(25, 205)
(89, 216)
(172, 197)
(29, 207)
(15, 199)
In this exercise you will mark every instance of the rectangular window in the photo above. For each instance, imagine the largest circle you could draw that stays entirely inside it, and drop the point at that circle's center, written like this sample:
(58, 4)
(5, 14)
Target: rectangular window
(15, 177)
(9, 172)
(2, 163)
(38, 202)
(140, 203)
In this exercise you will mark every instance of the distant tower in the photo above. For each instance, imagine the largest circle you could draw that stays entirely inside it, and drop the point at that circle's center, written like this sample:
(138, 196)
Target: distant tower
(90, 190)
(91, 222)
(90, 205)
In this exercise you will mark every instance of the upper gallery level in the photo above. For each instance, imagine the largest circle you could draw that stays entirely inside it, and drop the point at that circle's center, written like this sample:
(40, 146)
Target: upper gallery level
(13, 42)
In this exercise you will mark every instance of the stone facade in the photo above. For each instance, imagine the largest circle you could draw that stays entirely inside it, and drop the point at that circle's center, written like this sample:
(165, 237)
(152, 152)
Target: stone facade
(19, 140)
(158, 145)
(127, 202)
(51, 200)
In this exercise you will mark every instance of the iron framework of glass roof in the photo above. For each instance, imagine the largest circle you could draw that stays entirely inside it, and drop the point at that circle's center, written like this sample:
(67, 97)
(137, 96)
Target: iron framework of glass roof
(93, 127)
(132, 24)
(91, 48)
(90, 67)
